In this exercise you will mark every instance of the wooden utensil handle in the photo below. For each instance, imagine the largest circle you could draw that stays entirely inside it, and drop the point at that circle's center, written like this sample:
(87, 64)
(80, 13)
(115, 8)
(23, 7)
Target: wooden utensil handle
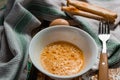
(103, 67)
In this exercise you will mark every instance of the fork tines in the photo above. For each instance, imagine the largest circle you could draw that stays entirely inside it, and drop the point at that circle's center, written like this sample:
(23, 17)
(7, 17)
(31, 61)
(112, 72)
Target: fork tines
(104, 27)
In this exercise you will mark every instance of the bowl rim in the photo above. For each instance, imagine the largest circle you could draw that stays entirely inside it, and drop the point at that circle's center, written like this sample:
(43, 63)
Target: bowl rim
(68, 76)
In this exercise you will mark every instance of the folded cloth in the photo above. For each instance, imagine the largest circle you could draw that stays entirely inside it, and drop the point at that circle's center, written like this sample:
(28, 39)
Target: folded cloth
(19, 17)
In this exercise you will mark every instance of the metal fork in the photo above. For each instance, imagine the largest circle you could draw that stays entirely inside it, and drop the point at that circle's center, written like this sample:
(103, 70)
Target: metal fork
(104, 35)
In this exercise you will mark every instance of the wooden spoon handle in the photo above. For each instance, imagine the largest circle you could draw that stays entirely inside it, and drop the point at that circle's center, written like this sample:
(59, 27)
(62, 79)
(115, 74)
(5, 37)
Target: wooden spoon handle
(103, 67)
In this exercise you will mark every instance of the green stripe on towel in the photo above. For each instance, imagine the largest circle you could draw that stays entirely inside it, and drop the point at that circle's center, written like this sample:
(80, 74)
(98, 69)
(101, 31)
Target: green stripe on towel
(23, 21)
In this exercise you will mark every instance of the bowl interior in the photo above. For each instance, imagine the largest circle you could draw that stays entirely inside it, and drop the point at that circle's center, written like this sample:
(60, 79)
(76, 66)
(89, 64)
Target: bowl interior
(70, 34)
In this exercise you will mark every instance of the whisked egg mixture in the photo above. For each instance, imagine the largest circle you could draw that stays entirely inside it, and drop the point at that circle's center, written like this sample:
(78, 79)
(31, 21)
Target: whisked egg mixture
(62, 58)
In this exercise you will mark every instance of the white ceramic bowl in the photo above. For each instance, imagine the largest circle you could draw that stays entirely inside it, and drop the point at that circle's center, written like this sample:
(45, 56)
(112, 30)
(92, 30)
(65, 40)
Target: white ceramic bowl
(70, 34)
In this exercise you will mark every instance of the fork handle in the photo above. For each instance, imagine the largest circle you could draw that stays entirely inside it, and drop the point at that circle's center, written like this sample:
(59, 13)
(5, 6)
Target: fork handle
(103, 67)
